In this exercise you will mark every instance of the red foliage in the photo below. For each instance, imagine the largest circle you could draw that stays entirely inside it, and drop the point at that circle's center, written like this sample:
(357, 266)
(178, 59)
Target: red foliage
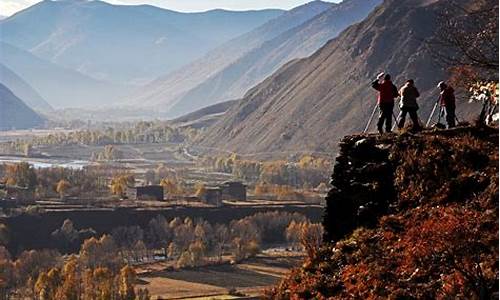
(440, 242)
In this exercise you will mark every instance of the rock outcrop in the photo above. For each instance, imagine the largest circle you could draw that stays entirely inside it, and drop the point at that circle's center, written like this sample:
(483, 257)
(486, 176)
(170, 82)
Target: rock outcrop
(367, 180)
(408, 217)
(363, 185)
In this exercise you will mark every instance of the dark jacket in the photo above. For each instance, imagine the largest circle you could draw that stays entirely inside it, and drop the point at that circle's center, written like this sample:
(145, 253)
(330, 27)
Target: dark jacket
(387, 91)
(447, 97)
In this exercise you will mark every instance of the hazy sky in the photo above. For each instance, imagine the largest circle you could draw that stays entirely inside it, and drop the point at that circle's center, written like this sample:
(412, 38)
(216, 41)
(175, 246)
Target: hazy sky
(9, 7)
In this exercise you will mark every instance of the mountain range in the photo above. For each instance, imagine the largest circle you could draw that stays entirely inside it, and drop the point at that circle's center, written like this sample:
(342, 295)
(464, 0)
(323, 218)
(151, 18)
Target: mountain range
(120, 43)
(60, 86)
(14, 113)
(22, 89)
(309, 103)
(229, 71)
(166, 90)
(235, 80)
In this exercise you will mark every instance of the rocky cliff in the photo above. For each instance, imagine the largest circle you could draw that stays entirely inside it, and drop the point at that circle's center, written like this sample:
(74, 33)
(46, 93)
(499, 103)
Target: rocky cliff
(408, 217)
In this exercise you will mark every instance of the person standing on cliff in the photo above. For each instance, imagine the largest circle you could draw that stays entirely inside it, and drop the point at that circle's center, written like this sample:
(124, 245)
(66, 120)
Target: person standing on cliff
(447, 100)
(387, 92)
(408, 104)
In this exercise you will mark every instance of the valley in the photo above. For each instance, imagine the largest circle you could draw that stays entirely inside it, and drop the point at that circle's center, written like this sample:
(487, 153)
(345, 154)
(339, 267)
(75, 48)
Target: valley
(240, 152)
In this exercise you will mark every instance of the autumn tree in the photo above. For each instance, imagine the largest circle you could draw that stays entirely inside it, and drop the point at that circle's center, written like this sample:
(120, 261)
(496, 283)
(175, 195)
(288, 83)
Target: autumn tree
(22, 175)
(311, 237)
(467, 43)
(221, 235)
(201, 190)
(120, 183)
(126, 283)
(62, 187)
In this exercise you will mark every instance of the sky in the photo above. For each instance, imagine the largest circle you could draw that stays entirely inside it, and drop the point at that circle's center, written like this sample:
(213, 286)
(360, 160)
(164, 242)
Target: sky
(9, 7)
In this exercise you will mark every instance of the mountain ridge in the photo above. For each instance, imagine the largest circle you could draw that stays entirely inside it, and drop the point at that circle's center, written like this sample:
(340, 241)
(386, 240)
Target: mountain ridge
(14, 113)
(61, 87)
(121, 43)
(309, 103)
(301, 41)
(22, 89)
(166, 90)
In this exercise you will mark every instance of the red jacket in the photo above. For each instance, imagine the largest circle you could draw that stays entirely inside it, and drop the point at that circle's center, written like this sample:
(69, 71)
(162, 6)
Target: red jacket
(387, 91)
(447, 97)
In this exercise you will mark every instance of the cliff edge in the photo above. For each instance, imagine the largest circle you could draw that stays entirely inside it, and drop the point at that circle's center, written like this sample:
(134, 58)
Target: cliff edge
(408, 217)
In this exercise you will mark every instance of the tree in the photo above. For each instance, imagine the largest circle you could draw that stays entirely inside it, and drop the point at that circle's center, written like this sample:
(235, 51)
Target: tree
(70, 288)
(200, 190)
(159, 233)
(103, 283)
(467, 35)
(62, 187)
(22, 174)
(150, 177)
(27, 149)
(100, 253)
(311, 237)
(197, 250)
(120, 183)
(172, 186)
(221, 239)
(126, 285)
(467, 43)
(293, 233)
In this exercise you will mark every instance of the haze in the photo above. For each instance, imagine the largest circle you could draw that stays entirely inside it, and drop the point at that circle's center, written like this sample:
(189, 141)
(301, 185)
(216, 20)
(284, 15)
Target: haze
(9, 7)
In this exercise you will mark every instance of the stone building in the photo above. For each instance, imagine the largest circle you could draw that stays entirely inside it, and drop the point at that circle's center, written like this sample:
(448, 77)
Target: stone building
(212, 196)
(234, 190)
(150, 192)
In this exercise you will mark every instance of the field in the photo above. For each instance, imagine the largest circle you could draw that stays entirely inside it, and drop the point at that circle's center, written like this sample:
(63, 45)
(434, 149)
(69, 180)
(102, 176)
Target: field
(239, 281)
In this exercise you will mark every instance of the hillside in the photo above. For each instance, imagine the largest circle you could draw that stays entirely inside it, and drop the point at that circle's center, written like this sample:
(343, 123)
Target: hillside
(237, 78)
(408, 217)
(308, 104)
(14, 113)
(22, 89)
(61, 87)
(204, 117)
(167, 90)
(122, 43)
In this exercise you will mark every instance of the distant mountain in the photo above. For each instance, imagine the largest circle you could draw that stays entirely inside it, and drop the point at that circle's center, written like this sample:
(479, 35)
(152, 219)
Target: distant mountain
(166, 91)
(308, 104)
(236, 79)
(14, 113)
(120, 43)
(22, 89)
(61, 87)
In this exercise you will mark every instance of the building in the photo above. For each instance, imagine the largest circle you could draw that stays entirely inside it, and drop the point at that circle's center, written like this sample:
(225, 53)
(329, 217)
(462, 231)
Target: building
(212, 196)
(234, 190)
(150, 192)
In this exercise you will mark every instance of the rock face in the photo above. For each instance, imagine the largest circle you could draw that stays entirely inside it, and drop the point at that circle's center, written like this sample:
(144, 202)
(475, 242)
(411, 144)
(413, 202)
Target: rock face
(373, 175)
(408, 217)
(363, 186)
